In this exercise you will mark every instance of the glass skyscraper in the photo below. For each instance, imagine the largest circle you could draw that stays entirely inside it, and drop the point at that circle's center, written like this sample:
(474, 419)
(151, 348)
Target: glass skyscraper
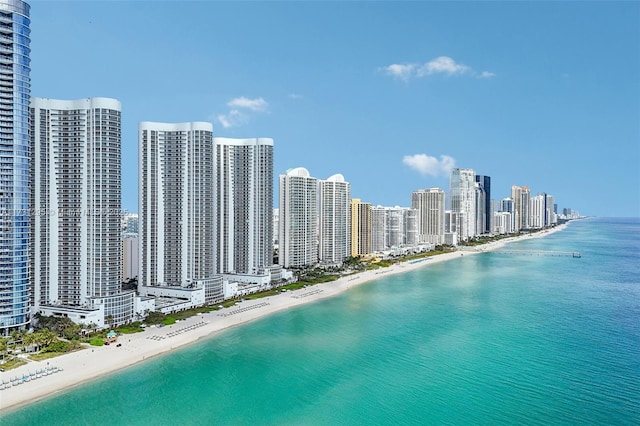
(15, 234)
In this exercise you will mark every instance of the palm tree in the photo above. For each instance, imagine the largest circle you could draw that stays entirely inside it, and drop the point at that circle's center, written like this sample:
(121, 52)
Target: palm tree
(30, 339)
(46, 337)
(3, 346)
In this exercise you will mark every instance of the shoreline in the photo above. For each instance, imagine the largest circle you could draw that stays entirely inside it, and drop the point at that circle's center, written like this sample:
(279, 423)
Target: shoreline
(92, 363)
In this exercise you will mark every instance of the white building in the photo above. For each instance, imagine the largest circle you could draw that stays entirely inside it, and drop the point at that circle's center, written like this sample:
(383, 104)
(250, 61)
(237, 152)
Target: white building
(410, 226)
(244, 200)
(503, 223)
(463, 201)
(395, 227)
(130, 224)
(276, 226)
(130, 258)
(176, 217)
(77, 185)
(298, 241)
(552, 216)
(430, 204)
(334, 197)
(537, 211)
(378, 228)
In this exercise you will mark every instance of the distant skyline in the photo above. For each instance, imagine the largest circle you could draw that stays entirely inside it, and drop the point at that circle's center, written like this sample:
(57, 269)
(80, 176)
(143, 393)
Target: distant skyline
(391, 95)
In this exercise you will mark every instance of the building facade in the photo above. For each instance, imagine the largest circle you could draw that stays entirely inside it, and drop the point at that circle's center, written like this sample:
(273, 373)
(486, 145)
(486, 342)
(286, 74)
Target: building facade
(77, 191)
(410, 227)
(298, 221)
(244, 200)
(484, 209)
(176, 202)
(15, 167)
(520, 196)
(360, 228)
(430, 204)
(130, 258)
(378, 228)
(334, 197)
(463, 202)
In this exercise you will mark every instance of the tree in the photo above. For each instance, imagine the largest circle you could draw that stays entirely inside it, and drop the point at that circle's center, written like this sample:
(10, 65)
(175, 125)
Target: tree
(46, 337)
(30, 339)
(4, 346)
(109, 320)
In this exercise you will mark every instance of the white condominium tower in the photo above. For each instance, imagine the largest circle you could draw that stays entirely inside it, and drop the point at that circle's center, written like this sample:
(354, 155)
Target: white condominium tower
(298, 245)
(335, 220)
(430, 204)
(537, 211)
(541, 213)
(176, 203)
(378, 228)
(77, 194)
(15, 161)
(463, 201)
(244, 172)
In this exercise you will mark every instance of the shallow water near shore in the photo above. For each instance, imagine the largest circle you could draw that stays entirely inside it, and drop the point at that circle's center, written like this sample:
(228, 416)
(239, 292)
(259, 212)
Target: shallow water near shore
(490, 338)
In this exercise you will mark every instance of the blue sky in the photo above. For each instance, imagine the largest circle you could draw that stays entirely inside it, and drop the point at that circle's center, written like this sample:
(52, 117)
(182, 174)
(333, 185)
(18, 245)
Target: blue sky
(390, 94)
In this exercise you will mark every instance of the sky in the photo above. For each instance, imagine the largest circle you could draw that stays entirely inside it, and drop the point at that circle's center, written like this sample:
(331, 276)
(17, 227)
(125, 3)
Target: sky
(392, 95)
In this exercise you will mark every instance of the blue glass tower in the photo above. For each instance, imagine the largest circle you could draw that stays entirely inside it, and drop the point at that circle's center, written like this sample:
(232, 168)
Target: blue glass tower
(15, 173)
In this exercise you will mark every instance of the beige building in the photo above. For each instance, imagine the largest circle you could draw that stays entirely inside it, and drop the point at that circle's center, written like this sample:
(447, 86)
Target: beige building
(360, 228)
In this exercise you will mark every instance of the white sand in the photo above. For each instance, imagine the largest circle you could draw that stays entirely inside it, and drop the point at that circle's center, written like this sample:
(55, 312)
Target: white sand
(82, 366)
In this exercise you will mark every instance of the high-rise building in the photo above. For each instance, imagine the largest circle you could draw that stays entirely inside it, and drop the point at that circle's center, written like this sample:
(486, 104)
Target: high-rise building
(334, 220)
(130, 257)
(506, 205)
(410, 218)
(298, 201)
(378, 228)
(276, 226)
(130, 224)
(463, 201)
(481, 218)
(503, 222)
(15, 166)
(360, 228)
(77, 192)
(537, 211)
(520, 196)
(486, 218)
(395, 227)
(244, 199)
(430, 204)
(176, 205)
(551, 217)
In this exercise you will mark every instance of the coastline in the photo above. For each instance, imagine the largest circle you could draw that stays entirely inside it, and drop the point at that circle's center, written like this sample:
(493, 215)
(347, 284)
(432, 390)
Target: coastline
(94, 362)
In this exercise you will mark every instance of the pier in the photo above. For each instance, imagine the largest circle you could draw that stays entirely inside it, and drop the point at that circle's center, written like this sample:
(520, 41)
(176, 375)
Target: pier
(575, 254)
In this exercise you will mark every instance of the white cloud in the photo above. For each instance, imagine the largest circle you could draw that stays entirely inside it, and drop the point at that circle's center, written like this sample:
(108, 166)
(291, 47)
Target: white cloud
(427, 165)
(401, 71)
(233, 119)
(294, 96)
(236, 117)
(257, 104)
(439, 65)
(444, 65)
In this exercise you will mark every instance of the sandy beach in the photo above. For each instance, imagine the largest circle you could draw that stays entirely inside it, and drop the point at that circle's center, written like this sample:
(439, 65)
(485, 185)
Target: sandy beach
(88, 364)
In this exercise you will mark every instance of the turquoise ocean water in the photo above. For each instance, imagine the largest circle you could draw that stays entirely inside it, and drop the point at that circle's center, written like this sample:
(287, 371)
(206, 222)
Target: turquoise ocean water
(486, 339)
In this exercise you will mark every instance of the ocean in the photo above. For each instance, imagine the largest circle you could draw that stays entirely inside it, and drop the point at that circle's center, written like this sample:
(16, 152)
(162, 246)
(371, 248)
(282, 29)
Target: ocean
(494, 338)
